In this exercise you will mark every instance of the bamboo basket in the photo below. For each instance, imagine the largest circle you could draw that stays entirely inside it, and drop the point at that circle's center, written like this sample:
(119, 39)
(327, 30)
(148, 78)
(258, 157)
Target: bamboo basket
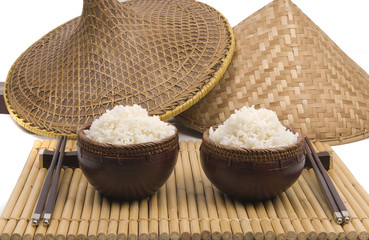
(188, 206)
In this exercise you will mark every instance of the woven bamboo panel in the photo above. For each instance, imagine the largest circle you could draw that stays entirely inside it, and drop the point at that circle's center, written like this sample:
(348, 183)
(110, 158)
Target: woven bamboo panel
(186, 207)
(286, 63)
(162, 55)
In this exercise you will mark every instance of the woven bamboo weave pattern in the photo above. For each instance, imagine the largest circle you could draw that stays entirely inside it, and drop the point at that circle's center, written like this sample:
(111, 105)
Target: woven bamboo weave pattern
(163, 55)
(186, 207)
(286, 63)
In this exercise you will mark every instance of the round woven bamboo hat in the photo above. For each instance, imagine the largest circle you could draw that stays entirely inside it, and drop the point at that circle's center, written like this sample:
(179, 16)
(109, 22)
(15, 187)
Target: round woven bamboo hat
(164, 55)
(286, 63)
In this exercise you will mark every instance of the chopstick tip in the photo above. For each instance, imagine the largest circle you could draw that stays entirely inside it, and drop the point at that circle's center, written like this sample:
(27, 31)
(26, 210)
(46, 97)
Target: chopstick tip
(346, 216)
(35, 218)
(47, 217)
(35, 222)
(339, 218)
(46, 222)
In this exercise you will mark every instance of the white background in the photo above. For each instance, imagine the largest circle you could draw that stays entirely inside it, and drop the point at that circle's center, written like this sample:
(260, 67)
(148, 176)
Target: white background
(23, 22)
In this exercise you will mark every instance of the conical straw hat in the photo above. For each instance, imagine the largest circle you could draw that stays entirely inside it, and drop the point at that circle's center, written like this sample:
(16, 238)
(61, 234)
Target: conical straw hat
(164, 55)
(286, 63)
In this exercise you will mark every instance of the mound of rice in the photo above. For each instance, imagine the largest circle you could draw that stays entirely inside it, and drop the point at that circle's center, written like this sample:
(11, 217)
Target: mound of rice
(128, 125)
(253, 129)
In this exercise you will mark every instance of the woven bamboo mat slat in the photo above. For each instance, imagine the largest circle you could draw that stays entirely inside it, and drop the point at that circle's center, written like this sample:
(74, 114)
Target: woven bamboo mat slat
(188, 206)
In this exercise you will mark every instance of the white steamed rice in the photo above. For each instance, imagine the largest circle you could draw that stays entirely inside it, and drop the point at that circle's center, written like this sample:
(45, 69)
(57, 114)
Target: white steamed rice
(128, 125)
(253, 129)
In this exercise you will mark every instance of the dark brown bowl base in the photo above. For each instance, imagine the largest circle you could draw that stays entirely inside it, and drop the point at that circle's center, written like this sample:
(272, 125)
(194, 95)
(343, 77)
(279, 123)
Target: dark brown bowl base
(251, 180)
(128, 178)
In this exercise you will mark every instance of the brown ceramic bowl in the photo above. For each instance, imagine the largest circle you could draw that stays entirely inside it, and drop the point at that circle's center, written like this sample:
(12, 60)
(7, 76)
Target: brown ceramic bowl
(251, 174)
(127, 172)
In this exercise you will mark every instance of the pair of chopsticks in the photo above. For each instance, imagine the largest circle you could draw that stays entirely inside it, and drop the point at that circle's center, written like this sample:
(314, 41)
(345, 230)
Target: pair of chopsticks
(338, 208)
(47, 197)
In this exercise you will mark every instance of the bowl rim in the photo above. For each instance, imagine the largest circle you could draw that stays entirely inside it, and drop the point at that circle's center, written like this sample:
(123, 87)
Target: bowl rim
(255, 154)
(93, 146)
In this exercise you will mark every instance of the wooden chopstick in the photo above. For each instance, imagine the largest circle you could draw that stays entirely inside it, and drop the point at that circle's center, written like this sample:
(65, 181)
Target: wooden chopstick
(336, 212)
(332, 189)
(45, 188)
(52, 194)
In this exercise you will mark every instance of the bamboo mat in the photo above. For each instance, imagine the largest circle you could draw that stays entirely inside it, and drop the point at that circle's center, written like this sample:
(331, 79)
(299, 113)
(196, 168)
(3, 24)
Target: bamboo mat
(186, 207)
